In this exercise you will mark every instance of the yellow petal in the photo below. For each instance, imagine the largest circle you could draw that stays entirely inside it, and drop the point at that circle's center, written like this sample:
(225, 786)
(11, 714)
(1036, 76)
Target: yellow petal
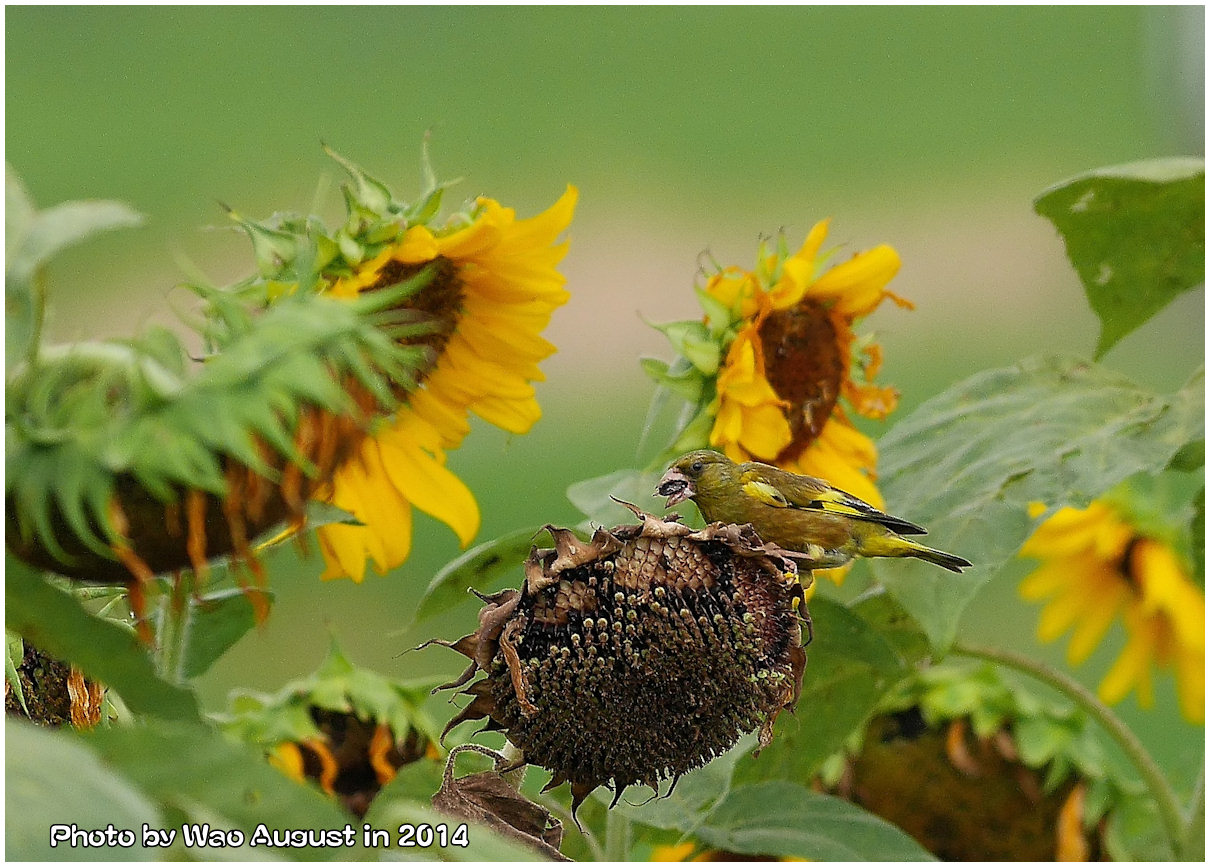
(809, 251)
(1132, 668)
(511, 414)
(858, 285)
(1191, 685)
(362, 488)
(1099, 612)
(765, 431)
(418, 245)
(431, 487)
(541, 230)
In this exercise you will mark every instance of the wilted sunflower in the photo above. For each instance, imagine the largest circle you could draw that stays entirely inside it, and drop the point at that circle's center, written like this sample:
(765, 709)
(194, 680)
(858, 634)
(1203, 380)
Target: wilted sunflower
(347, 729)
(1097, 565)
(977, 768)
(341, 370)
(637, 655)
(494, 289)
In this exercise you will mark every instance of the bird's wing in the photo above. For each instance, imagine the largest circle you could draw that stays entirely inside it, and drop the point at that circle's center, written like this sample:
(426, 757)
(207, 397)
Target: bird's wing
(781, 489)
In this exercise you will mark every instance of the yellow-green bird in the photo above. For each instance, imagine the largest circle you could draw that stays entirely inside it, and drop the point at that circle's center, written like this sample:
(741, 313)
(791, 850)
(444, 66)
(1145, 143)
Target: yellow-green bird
(798, 513)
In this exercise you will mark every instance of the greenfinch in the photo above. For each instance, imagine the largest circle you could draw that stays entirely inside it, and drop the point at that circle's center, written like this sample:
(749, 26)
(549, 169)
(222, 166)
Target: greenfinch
(799, 513)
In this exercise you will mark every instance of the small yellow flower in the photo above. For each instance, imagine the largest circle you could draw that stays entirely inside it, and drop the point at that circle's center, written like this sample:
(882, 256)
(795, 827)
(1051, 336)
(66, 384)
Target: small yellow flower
(496, 286)
(1096, 566)
(794, 359)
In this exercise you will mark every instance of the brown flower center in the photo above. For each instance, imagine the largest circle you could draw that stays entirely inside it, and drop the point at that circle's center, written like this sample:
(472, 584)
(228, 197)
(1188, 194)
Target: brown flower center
(804, 365)
(1128, 568)
(439, 303)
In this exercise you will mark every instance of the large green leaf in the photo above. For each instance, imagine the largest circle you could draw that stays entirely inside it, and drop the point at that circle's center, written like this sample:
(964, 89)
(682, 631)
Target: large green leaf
(691, 800)
(53, 779)
(481, 568)
(31, 237)
(1136, 236)
(780, 819)
(967, 463)
(597, 497)
(850, 667)
(209, 778)
(215, 622)
(58, 625)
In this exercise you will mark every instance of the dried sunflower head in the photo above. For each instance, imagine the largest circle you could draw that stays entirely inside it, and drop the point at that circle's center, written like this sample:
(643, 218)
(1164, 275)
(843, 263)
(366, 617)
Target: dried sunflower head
(638, 655)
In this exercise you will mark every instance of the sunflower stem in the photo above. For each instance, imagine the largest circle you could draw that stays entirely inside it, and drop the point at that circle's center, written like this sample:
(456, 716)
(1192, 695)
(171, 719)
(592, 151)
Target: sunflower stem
(617, 836)
(1165, 798)
(1193, 847)
(172, 634)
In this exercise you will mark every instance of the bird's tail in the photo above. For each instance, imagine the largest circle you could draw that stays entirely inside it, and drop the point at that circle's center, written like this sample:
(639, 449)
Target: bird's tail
(946, 561)
(893, 545)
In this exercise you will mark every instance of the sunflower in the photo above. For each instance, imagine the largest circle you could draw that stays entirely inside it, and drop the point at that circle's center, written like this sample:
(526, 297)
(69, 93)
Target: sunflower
(775, 368)
(1096, 565)
(494, 288)
(795, 357)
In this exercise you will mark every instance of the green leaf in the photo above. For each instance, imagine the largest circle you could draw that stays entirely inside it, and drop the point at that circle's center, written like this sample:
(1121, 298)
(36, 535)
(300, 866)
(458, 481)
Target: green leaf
(1197, 537)
(692, 799)
(886, 616)
(213, 779)
(480, 567)
(53, 779)
(57, 624)
(1136, 236)
(62, 226)
(692, 340)
(849, 668)
(687, 383)
(778, 819)
(215, 622)
(967, 463)
(595, 497)
(14, 655)
(1192, 456)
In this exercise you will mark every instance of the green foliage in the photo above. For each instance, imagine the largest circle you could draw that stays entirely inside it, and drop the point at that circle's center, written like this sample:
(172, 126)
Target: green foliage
(203, 776)
(485, 567)
(213, 623)
(780, 818)
(851, 668)
(31, 238)
(337, 686)
(598, 498)
(58, 625)
(82, 417)
(1059, 431)
(35, 760)
(1136, 236)
(14, 652)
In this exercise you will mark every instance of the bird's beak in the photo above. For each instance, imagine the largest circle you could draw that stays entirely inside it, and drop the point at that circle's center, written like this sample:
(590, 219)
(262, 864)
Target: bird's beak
(676, 486)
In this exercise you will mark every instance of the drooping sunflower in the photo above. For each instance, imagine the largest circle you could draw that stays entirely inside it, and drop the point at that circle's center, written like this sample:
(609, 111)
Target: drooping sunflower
(494, 288)
(1097, 565)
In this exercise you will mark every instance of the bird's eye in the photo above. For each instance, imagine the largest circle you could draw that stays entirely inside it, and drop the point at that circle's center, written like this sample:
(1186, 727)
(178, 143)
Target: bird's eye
(696, 467)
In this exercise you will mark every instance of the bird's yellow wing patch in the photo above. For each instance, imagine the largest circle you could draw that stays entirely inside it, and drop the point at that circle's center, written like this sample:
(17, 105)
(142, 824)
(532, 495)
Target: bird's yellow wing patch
(765, 493)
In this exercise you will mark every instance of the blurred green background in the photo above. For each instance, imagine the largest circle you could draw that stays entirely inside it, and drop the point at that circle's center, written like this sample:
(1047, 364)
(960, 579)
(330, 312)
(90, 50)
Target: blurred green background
(686, 130)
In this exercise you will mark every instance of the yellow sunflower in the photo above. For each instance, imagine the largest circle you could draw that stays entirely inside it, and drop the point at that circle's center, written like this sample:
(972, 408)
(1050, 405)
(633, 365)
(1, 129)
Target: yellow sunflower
(495, 287)
(1096, 566)
(795, 358)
